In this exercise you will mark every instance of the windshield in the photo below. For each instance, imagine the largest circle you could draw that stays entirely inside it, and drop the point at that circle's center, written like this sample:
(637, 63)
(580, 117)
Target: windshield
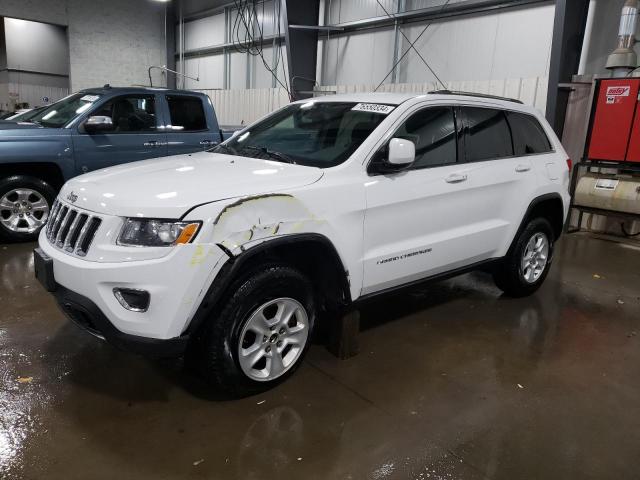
(317, 134)
(60, 113)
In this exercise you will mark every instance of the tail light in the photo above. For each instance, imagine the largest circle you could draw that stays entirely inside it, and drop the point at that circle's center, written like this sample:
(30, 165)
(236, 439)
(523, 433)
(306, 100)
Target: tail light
(569, 164)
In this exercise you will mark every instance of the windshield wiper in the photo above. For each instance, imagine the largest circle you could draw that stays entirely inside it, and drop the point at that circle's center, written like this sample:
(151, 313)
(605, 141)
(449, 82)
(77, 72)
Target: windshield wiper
(222, 146)
(282, 157)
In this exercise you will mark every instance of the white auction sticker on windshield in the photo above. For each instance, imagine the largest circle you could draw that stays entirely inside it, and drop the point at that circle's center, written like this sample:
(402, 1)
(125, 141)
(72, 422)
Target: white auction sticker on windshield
(373, 108)
(89, 98)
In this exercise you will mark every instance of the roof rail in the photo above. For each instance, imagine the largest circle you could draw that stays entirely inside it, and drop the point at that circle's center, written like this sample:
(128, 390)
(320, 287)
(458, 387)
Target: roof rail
(471, 94)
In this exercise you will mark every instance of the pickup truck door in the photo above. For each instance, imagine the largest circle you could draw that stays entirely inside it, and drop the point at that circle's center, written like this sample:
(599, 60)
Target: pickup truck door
(192, 125)
(137, 134)
(436, 216)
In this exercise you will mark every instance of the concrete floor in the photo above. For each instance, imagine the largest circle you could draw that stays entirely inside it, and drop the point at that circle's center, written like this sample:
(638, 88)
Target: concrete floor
(453, 382)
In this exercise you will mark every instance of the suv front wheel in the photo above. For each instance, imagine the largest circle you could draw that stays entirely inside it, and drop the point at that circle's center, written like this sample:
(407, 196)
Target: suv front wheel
(261, 334)
(527, 263)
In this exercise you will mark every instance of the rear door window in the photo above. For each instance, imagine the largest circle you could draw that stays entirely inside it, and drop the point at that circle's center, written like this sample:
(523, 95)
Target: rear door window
(433, 131)
(486, 133)
(528, 135)
(186, 113)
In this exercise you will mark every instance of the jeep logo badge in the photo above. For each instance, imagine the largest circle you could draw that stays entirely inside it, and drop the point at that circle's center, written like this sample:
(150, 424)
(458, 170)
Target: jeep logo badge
(72, 197)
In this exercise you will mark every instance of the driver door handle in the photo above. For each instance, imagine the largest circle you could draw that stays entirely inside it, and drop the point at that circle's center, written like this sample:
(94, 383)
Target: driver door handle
(456, 178)
(523, 168)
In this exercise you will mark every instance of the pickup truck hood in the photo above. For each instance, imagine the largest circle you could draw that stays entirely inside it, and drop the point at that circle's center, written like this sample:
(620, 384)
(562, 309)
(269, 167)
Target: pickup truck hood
(168, 187)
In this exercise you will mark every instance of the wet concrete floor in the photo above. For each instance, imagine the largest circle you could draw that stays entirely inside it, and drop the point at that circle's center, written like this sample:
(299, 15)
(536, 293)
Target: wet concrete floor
(453, 381)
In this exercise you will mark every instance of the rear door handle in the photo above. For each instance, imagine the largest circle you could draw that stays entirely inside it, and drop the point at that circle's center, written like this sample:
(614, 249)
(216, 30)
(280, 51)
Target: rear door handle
(523, 168)
(456, 178)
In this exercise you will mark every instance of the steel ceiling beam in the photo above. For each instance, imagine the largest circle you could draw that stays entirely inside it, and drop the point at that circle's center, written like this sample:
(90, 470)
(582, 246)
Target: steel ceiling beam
(434, 13)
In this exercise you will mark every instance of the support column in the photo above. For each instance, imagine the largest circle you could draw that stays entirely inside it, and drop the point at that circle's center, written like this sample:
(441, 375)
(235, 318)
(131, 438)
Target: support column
(170, 42)
(302, 45)
(568, 35)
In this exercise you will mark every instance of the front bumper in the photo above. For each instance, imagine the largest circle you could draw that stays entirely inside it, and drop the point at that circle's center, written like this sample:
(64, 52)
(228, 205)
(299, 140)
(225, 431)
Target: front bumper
(176, 282)
(86, 314)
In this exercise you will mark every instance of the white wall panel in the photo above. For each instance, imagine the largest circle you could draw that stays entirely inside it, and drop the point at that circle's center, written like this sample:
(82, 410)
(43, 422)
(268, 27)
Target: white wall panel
(510, 44)
(242, 107)
(341, 11)
(209, 69)
(531, 91)
(205, 32)
(456, 49)
(238, 73)
(363, 57)
(523, 42)
(260, 76)
(507, 44)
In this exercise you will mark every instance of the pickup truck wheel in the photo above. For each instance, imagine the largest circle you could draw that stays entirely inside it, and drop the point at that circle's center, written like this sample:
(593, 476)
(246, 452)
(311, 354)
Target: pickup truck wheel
(261, 334)
(25, 203)
(528, 261)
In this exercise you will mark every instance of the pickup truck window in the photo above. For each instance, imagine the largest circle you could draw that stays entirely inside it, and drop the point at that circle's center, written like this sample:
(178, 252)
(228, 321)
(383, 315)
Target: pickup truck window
(317, 134)
(187, 113)
(62, 112)
(131, 113)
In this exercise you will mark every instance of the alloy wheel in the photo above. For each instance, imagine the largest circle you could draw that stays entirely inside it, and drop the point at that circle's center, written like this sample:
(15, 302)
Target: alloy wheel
(535, 257)
(23, 210)
(273, 339)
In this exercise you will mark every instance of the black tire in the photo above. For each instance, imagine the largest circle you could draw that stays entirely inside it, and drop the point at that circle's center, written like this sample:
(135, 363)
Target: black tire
(509, 275)
(32, 183)
(214, 351)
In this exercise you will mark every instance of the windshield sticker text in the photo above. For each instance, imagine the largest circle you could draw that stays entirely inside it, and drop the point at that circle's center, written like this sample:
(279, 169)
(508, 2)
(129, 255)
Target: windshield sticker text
(373, 108)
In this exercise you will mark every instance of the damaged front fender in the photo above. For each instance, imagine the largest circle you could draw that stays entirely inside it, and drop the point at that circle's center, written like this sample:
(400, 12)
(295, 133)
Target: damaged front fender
(261, 217)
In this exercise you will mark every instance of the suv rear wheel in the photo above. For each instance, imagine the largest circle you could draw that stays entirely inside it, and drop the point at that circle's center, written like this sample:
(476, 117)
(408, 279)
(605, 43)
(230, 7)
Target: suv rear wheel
(262, 333)
(25, 203)
(528, 261)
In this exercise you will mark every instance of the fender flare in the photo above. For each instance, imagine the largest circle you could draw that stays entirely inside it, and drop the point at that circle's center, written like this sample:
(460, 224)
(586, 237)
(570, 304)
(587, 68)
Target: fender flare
(234, 264)
(533, 204)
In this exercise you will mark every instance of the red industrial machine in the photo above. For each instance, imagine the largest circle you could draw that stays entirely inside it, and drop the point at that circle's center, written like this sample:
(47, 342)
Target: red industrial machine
(614, 132)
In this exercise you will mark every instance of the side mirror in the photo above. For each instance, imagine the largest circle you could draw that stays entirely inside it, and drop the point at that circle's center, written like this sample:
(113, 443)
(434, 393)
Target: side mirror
(402, 153)
(98, 124)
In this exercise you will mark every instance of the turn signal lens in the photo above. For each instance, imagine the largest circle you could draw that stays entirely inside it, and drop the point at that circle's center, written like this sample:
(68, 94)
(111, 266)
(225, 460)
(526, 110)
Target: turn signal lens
(187, 233)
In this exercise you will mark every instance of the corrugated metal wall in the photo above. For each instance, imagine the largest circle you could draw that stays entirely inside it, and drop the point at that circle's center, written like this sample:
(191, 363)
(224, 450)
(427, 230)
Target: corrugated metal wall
(507, 44)
(33, 94)
(241, 107)
(235, 107)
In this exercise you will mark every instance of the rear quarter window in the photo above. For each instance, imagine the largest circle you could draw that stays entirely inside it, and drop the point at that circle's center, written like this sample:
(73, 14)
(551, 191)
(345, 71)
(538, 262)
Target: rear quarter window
(486, 134)
(528, 135)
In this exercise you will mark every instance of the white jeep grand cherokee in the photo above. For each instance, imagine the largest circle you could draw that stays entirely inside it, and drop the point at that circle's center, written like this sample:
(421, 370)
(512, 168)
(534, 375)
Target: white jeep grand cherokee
(232, 254)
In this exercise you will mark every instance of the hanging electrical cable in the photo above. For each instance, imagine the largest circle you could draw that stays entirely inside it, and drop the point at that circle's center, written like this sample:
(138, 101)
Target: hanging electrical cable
(247, 36)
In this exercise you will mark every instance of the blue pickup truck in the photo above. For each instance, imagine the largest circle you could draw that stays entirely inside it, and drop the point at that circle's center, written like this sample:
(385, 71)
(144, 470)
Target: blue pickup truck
(89, 130)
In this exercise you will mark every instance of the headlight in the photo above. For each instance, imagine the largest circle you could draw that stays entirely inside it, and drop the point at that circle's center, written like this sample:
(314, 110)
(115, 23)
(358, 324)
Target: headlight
(144, 232)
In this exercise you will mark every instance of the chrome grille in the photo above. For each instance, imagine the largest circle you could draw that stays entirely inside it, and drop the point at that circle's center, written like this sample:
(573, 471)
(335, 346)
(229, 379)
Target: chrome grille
(71, 230)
